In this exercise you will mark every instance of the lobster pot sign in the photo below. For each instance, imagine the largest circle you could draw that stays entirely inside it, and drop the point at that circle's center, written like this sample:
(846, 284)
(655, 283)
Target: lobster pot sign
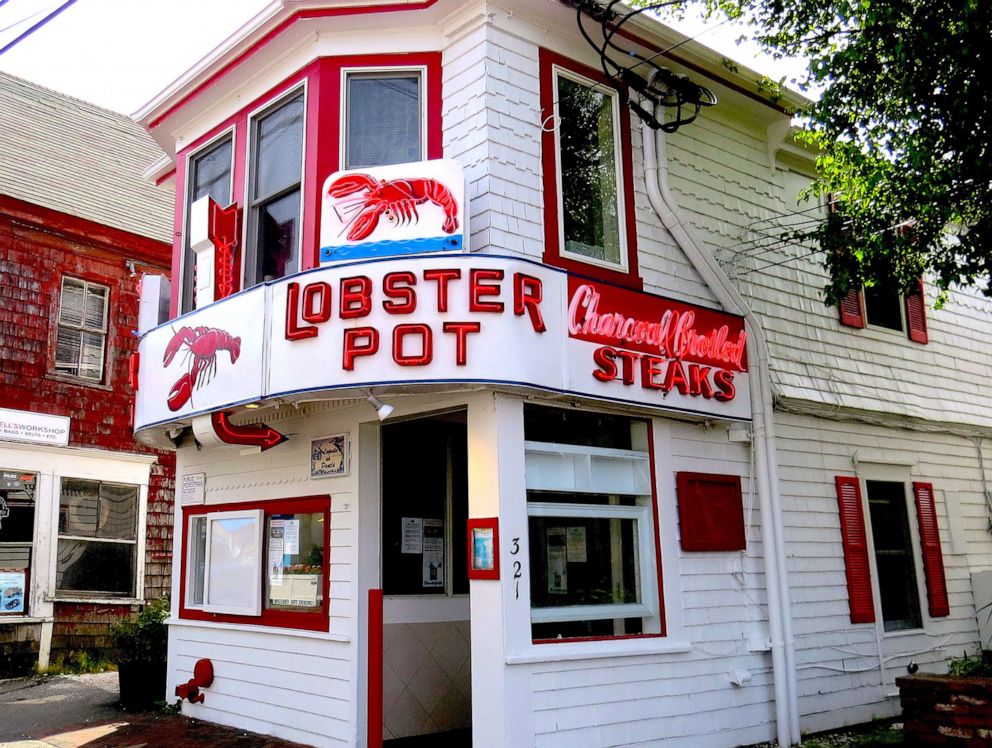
(203, 360)
(393, 210)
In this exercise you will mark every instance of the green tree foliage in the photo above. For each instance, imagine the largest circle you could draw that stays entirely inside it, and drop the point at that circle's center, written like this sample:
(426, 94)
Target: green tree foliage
(904, 129)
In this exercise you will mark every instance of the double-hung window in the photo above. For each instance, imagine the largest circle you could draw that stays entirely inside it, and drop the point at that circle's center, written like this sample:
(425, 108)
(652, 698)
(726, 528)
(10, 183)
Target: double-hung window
(275, 174)
(209, 175)
(81, 339)
(592, 535)
(97, 543)
(383, 117)
(262, 563)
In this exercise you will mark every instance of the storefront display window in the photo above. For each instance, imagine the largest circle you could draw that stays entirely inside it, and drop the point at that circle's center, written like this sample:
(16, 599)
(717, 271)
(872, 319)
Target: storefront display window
(261, 563)
(17, 502)
(97, 538)
(593, 555)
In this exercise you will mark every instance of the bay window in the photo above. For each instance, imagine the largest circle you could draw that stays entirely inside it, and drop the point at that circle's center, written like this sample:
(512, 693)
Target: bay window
(209, 174)
(592, 535)
(384, 118)
(97, 541)
(263, 563)
(275, 174)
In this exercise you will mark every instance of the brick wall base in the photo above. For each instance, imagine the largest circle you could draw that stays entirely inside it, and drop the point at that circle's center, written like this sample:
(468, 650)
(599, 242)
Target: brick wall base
(83, 631)
(943, 710)
(18, 648)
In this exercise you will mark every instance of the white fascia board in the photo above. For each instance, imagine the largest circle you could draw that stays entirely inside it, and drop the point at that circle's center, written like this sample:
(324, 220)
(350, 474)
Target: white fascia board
(266, 19)
(159, 169)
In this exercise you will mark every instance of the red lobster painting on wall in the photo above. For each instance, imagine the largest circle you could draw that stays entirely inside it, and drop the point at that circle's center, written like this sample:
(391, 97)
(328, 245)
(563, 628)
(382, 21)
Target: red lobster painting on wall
(201, 344)
(396, 199)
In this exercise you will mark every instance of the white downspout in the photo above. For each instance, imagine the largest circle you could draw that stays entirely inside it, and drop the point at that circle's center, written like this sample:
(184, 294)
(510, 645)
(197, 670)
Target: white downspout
(766, 461)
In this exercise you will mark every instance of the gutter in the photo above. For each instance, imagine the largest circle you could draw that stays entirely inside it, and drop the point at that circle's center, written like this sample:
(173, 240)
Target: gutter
(763, 431)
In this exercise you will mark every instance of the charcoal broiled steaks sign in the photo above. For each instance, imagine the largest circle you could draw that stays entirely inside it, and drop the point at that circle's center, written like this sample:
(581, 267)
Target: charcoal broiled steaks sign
(444, 319)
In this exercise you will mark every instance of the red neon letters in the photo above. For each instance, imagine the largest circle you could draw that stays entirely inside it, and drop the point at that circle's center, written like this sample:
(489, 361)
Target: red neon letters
(413, 344)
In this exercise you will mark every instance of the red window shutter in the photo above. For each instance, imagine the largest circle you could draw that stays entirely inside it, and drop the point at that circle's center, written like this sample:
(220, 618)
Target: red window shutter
(711, 512)
(854, 536)
(933, 559)
(852, 311)
(916, 315)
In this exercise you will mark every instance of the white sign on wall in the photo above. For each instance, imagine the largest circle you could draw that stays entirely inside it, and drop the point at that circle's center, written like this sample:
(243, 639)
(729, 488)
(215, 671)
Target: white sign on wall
(35, 428)
(192, 489)
(393, 210)
(443, 319)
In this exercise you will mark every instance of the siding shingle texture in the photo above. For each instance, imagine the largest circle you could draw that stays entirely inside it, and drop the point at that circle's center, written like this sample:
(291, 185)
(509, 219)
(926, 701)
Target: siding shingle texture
(80, 159)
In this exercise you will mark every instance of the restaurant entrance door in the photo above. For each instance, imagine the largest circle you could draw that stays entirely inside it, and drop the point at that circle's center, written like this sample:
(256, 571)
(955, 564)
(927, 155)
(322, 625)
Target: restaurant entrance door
(426, 632)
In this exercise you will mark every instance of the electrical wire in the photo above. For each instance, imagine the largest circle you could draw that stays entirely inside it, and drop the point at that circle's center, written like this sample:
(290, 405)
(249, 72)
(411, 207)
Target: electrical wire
(25, 34)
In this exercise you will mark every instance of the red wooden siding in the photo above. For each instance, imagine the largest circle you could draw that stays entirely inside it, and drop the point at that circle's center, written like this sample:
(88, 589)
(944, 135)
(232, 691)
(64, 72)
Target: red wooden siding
(855, 539)
(933, 559)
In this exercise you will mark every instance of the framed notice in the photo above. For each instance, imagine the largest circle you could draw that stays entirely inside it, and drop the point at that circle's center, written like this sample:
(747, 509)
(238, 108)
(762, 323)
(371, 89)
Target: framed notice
(483, 548)
(329, 456)
(13, 591)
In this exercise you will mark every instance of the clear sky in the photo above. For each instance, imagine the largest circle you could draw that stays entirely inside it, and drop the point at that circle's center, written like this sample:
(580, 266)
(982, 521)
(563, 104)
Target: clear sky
(121, 53)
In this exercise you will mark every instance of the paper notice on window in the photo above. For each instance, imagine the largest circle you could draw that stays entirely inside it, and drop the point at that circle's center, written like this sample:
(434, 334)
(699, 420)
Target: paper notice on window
(557, 561)
(291, 535)
(298, 590)
(576, 545)
(276, 551)
(412, 539)
(433, 545)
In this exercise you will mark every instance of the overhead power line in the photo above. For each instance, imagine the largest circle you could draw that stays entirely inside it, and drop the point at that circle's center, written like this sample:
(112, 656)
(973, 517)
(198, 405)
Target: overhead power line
(27, 32)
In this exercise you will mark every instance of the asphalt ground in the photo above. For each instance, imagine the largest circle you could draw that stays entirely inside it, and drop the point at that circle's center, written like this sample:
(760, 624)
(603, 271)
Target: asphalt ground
(77, 711)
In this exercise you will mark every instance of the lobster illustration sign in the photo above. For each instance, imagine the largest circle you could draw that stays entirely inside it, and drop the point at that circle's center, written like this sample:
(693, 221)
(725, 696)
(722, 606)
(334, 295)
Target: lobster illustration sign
(200, 347)
(393, 210)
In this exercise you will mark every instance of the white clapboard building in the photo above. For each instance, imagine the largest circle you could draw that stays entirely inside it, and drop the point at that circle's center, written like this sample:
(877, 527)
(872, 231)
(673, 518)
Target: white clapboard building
(498, 410)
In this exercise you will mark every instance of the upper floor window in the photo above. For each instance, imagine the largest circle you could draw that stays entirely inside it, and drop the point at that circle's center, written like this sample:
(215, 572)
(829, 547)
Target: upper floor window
(589, 223)
(82, 329)
(383, 118)
(275, 174)
(209, 175)
(587, 148)
(881, 306)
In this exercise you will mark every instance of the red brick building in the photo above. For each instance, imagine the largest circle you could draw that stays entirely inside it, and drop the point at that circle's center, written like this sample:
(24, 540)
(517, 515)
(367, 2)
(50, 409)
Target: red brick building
(85, 512)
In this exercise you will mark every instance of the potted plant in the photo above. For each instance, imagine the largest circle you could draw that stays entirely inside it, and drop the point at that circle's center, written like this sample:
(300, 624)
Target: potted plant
(142, 654)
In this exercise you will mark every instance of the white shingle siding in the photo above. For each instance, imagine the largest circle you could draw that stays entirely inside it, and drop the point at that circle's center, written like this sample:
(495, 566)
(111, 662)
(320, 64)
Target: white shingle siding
(77, 158)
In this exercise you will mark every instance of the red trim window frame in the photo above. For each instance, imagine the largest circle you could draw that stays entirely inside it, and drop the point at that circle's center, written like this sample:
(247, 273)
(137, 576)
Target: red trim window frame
(322, 141)
(657, 558)
(554, 253)
(309, 621)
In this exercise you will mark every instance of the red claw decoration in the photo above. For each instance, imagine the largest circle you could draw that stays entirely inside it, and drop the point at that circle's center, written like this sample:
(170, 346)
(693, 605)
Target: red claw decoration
(397, 199)
(201, 345)
(203, 677)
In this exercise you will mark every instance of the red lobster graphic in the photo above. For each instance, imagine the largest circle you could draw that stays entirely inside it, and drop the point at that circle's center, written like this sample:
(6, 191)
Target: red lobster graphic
(202, 345)
(397, 199)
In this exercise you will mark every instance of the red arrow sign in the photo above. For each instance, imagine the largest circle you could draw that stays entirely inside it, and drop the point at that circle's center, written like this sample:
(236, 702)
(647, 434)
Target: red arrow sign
(262, 435)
